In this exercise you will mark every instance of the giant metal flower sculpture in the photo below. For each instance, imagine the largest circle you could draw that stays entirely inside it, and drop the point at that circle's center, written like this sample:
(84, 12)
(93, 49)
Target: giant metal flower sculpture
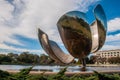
(79, 38)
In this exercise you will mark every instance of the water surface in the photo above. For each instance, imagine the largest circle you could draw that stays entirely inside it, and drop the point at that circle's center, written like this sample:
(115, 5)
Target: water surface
(58, 68)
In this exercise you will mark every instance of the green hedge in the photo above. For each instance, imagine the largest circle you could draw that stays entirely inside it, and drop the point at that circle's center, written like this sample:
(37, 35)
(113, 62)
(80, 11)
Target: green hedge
(24, 75)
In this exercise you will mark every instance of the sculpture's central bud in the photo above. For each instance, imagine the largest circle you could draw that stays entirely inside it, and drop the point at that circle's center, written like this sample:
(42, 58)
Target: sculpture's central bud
(75, 34)
(79, 38)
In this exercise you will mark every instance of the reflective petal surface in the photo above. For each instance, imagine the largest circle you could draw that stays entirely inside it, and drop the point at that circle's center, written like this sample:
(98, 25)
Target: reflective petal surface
(75, 34)
(98, 29)
(53, 50)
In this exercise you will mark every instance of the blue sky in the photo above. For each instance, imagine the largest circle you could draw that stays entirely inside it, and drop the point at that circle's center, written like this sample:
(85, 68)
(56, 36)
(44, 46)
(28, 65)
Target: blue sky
(19, 20)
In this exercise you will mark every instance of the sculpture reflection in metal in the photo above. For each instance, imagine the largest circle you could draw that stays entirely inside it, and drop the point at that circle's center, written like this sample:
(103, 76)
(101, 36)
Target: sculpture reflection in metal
(53, 50)
(79, 38)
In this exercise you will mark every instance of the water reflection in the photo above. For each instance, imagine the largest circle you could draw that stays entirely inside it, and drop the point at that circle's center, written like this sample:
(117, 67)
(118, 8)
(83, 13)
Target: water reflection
(58, 68)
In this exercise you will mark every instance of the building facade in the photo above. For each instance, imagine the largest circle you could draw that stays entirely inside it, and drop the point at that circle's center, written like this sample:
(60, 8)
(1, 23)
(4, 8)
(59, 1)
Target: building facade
(108, 53)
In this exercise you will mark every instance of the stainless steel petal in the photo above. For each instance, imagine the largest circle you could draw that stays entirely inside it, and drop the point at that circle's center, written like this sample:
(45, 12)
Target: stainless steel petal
(75, 33)
(53, 50)
(95, 37)
(65, 58)
(98, 29)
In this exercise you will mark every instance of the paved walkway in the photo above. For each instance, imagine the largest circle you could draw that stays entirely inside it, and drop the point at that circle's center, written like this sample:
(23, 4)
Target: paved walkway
(68, 73)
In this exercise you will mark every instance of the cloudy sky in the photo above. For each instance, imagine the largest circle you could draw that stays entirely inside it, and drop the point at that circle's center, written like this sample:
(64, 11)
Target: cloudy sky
(19, 20)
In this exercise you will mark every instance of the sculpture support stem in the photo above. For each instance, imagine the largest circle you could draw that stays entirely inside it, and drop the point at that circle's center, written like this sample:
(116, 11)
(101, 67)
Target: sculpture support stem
(83, 68)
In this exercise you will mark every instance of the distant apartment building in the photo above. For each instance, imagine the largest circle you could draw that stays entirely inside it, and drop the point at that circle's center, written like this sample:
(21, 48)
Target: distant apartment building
(108, 53)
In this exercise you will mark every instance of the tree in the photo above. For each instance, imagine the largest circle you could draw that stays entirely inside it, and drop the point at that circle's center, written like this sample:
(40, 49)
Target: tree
(5, 59)
(13, 56)
(24, 58)
(114, 60)
(29, 58)
(44, 59)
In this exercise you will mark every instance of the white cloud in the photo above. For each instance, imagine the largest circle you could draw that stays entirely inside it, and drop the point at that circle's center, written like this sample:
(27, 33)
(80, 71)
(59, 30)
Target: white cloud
(6, 15)
(111, 47)
(11, 48)
(45, 13)
(113, 37)
(113, 41)
(22, 17)
(5, 10)
(114, 25)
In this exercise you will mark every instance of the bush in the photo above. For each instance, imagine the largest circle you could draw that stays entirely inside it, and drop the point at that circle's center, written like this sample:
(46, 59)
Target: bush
(114, 60)
(24, 75)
